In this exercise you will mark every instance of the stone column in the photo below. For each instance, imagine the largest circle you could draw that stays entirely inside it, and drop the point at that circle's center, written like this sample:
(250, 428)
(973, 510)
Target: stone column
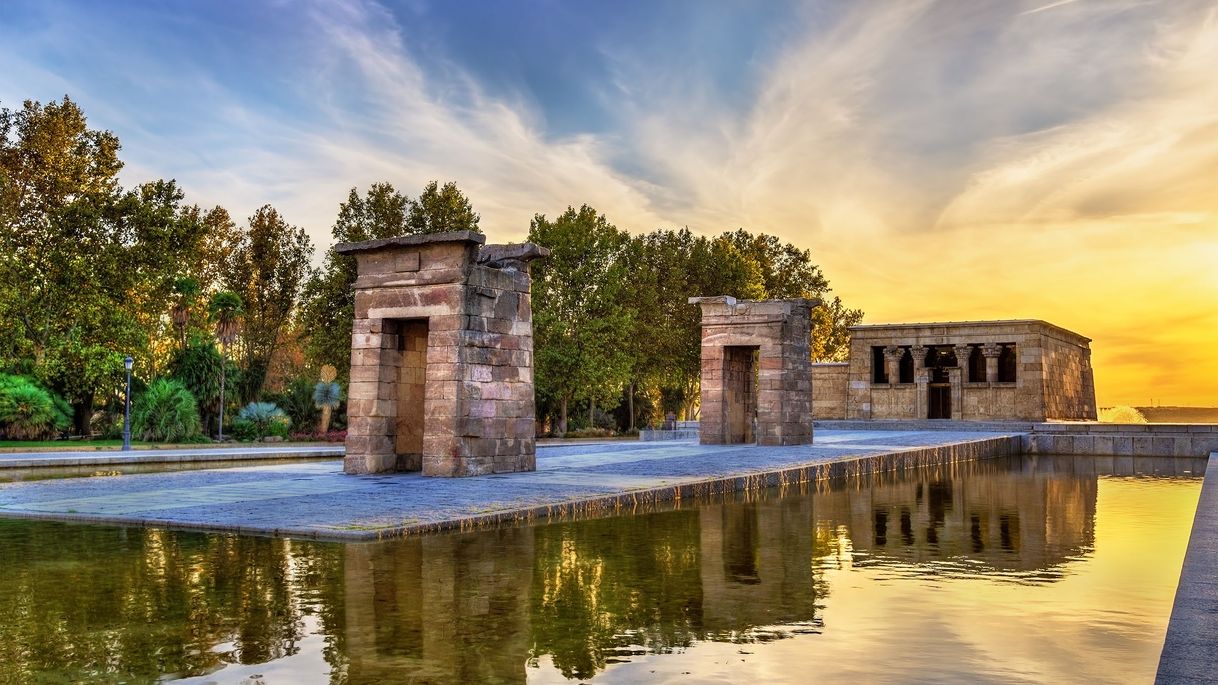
(991, 352)
(892, 362)
(962, 353)
(955, 378)
(921, 380)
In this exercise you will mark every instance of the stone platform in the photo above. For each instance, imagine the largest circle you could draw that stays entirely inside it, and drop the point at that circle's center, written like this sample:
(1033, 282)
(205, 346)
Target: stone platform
(316, 500)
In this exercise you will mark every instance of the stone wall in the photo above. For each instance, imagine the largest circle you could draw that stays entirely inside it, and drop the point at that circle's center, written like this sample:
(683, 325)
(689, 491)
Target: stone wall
(1053, 377)
(830, 381)
(1069, 381)
(442, 356)
(775, 336)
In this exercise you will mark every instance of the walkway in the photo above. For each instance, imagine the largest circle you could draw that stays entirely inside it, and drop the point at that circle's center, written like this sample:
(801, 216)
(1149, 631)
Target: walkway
(315, 499)
(1188, 651)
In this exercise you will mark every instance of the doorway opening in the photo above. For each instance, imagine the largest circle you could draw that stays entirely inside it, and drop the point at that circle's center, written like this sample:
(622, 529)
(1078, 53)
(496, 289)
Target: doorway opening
(740, 394)
(411, 384)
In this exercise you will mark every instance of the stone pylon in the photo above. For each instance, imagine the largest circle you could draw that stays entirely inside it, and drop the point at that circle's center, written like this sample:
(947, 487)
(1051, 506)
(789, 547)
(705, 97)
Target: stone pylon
(441, 356)
(756, 371)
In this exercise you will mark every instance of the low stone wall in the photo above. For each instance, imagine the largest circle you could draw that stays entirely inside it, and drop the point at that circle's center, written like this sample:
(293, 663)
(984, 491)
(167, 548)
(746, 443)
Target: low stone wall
(678, 434)
(1120, 439)
(830, 381)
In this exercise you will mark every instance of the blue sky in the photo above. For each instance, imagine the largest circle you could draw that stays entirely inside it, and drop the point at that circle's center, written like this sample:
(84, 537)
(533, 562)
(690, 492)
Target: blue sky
(944, 159)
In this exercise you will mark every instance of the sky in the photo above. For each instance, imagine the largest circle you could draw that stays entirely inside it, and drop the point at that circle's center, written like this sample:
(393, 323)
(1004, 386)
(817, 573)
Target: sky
(943, 160)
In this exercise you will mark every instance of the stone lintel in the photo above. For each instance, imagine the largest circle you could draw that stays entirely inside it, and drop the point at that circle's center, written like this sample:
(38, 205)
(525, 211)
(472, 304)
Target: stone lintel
(411, 241)
(496, 255)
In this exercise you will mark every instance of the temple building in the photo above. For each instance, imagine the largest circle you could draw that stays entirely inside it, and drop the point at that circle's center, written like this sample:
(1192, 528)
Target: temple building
(1024, 370)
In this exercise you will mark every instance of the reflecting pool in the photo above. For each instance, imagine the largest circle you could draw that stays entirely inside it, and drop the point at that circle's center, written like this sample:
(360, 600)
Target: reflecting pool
(1032, 570)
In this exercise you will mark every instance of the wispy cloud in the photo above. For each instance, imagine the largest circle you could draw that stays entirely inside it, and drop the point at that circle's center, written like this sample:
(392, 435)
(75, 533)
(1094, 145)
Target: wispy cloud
(942, 159)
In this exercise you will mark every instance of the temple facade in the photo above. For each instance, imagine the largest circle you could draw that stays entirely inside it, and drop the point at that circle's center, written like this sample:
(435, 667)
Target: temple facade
(1023, 370)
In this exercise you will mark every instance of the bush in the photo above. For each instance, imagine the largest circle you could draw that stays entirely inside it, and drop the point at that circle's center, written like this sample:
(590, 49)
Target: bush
(297, 402)
(257, 420)
(166, 412)
(590, 433)
(28, 412)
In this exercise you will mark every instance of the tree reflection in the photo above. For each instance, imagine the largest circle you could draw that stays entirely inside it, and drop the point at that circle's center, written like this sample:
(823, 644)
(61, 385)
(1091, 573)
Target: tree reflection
(97, 604)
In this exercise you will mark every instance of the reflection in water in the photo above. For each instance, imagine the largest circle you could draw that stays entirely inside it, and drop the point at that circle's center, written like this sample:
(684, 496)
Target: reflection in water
(98, 604)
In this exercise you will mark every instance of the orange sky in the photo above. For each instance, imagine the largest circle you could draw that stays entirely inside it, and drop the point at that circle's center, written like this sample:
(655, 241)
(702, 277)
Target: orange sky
(943, 160)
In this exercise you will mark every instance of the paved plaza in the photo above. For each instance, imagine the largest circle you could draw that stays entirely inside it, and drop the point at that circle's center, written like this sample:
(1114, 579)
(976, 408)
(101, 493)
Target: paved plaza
(316, 499)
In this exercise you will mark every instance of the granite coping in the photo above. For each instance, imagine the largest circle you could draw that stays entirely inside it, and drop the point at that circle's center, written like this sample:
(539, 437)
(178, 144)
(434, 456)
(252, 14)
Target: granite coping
(24, 460)
(1189, 654)
(316, 500)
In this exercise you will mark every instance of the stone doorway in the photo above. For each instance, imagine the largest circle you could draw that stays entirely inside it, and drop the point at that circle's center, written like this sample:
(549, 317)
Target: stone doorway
(939, 401)
(740, 393)
(411, 390)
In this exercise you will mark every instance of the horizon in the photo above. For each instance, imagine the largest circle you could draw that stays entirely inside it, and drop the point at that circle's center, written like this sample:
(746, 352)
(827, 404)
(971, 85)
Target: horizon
(942, 163)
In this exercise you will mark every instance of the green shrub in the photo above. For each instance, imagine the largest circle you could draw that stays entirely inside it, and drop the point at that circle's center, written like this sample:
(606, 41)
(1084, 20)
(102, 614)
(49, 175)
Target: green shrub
(264, 418)
(28, 412)
(297, 402)
(197, 366)
(166, 412)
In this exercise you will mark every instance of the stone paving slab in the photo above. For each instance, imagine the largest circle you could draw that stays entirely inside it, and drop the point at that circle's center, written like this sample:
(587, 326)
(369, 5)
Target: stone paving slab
(315, 499)
(1188, 651)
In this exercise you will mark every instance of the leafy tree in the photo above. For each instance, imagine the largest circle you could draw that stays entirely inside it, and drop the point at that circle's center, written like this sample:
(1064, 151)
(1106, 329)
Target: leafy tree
(267, 270)
(441, 209)
(580, 322)
(328, 307)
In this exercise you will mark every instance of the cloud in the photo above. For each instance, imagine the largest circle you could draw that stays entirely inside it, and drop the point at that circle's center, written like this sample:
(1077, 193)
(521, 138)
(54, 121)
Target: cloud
(942, 159)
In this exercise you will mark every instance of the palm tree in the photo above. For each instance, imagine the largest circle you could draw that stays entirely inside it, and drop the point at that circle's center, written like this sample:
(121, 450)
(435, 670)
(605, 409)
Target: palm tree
(187, 290)
(226, 310)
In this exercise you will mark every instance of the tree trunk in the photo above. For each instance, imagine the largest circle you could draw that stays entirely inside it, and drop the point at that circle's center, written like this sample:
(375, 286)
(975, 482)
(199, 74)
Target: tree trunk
(592, 413)
(325, 419)
(82, 412)
(562, 417)
(630, 407)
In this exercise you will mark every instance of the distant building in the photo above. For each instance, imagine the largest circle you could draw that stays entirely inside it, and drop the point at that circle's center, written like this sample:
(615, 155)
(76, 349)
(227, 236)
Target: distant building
(1023, 370)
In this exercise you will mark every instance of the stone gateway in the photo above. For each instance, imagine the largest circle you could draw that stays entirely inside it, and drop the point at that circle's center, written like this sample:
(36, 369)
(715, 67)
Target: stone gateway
(756, 375)
(441, 356)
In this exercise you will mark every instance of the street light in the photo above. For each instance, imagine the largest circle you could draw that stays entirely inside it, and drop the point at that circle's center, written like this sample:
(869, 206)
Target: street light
(128, 362)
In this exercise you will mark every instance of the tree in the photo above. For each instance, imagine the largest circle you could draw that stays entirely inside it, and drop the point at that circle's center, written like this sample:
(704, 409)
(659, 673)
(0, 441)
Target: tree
(65, 223)
(267, 270)
(441, 209)
(226, 309)
(382, 212)
(580, 323)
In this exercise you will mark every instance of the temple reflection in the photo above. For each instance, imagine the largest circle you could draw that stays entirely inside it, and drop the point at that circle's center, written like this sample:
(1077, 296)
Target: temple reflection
(484, 606)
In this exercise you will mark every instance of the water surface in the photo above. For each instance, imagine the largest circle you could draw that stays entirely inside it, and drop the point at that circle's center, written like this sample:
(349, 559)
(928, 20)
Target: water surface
(1033, 570)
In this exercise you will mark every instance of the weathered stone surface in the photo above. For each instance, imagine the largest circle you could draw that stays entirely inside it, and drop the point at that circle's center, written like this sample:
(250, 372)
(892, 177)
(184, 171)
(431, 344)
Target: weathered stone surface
(1053, 378)
(441, 359)
(756, 371)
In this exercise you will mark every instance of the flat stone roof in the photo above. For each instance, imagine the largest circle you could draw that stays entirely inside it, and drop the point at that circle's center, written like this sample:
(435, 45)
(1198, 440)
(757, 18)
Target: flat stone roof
(979, 324)
(411, 240)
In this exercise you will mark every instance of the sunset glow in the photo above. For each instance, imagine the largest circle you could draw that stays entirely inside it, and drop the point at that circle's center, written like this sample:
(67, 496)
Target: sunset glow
(1041, 159)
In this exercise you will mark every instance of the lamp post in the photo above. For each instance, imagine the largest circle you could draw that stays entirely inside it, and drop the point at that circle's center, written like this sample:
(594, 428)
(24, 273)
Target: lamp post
(220, 434)
(128, 362)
